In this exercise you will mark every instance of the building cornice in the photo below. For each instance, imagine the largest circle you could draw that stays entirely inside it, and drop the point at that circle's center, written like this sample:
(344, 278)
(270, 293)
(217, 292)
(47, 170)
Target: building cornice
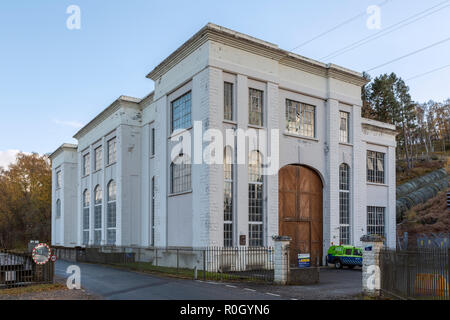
(147, 100)
(113, 107)
(212, 32)
(378, 126)
(63, 147)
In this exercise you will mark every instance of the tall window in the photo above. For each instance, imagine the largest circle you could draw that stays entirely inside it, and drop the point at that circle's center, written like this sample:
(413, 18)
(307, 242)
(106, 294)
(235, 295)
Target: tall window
(255, 200)
(344, 204)
(111, 223)
(228, 101)
(181, 112)
(98, 215)
(112, 151)
(180, 173)
(375, 220)
(98, 158)
(228, 198)
(58, 208)
(153, 211)
(58, 179)
(153, 141)
(300, 118)
(86, 164)
(375, 167)
(255, 107)
(344, 135)
(86, 204)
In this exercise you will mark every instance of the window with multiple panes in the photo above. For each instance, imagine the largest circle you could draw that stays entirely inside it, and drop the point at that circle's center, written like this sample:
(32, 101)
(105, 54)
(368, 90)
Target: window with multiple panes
(98, 158)
(97, 215)
(180, 173)
(228, 101)
(58, 179)
(86, 164)
(153, 141)
(376, 220)
(153, 211)
(375, 167)
(111, 223)
(255, 200)
(344, 132)
(228, 198)
(344, 204)
(181, 112)
(112, 151)
(300, 118)
(58, 208)
(86, 204)
(255, 107)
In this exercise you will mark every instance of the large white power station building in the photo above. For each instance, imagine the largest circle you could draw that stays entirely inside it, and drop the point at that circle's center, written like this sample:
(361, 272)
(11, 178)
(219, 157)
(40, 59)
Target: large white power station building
(296, 157)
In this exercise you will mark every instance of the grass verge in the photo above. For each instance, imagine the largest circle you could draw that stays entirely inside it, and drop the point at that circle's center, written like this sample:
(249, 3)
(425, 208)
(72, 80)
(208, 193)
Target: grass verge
(33, 288)
(183, 273)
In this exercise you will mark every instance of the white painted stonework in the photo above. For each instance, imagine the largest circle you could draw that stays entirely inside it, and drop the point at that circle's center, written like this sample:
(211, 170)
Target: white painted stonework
(195, 218)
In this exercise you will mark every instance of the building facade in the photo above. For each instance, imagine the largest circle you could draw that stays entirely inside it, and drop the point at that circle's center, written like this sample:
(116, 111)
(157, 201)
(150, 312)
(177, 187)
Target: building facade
(123, 184)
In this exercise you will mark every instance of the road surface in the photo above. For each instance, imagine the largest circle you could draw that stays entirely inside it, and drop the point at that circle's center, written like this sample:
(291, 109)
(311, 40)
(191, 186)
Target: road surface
(117, 284)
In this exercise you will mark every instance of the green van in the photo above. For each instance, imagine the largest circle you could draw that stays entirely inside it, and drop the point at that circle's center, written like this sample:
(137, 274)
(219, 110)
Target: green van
(340, 256)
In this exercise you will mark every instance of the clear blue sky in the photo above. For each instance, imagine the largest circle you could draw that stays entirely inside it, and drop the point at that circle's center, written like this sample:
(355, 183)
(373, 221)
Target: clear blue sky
(53, 80)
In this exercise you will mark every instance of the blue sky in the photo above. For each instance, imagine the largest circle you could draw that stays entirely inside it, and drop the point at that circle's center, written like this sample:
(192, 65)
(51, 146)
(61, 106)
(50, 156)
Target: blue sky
(53, 80)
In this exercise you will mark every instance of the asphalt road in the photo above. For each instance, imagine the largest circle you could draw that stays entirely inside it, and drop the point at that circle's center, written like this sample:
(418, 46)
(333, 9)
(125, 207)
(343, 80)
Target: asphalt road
(117, 284)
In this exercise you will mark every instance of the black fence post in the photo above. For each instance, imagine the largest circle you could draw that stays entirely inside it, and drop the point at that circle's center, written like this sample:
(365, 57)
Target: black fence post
(204, 264)
(177, 259)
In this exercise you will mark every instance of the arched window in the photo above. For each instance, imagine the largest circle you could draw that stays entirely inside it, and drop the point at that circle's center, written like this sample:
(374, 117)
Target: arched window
(98, 215)
(86, 204)
(255, 200)
(58, 208)
(180, 173)
(228, 197)
(344, 204)
(111, 223)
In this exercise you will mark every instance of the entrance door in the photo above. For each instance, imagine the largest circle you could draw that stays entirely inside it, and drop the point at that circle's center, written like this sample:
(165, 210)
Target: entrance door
(300, 211)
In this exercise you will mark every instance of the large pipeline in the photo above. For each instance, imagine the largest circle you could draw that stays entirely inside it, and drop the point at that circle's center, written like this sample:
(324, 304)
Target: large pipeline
(417, 183)
(419, 190)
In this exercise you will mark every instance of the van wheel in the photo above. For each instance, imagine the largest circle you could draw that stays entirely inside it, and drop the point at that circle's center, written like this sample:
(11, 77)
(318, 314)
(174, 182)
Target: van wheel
(338, 264)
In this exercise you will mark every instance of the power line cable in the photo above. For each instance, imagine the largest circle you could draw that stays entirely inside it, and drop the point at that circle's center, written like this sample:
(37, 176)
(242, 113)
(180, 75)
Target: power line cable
(386, 31)
(428, 72)
(410, 54)
(337, 27)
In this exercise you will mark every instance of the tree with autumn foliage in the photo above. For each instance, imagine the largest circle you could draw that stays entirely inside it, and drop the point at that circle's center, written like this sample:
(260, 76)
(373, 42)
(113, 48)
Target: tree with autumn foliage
(25, 201)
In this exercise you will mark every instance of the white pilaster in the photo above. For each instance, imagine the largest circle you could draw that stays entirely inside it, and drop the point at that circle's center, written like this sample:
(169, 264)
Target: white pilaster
(242, 171)
(331, 213)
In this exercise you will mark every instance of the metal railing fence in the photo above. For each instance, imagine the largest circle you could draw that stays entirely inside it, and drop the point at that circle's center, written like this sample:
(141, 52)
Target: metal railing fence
(419, 274)
(209, 263)
(18, 269)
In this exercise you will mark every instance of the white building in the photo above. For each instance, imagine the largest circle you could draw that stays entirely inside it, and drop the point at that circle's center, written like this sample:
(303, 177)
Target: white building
(337, 170)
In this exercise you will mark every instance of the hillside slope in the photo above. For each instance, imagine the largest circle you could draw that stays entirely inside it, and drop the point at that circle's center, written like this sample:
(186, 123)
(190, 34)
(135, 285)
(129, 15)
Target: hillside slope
(432, 216)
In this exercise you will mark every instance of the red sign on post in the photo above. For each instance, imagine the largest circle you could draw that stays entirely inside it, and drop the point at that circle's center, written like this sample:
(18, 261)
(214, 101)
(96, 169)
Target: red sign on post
(41, 254)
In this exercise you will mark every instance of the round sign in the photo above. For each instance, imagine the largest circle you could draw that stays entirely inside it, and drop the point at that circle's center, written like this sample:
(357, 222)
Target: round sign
(41, 253)
(53, 258)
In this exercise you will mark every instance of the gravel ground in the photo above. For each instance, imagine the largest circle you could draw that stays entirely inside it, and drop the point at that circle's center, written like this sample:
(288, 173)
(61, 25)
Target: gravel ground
(52, 294)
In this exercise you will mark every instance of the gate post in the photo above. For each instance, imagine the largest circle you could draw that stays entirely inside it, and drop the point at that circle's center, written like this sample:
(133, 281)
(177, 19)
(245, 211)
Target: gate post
(371, 273)
(281, 259)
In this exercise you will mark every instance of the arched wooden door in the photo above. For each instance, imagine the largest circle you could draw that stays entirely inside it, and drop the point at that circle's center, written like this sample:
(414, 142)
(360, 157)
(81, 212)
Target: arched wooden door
(300, 211)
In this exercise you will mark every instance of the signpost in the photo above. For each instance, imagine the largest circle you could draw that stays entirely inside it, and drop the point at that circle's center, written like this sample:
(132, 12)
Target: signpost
(304, 260)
